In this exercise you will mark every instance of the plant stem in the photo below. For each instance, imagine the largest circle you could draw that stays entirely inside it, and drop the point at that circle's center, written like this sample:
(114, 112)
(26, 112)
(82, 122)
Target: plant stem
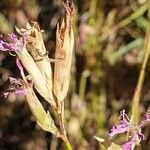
(137, 94)
(63, 136)
(68, 145)
(139, 12)
(82, 88)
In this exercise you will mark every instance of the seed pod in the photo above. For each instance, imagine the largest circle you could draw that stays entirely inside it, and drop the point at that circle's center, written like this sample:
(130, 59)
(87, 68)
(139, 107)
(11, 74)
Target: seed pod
(36, 47)
(64, 50)
(37, 78)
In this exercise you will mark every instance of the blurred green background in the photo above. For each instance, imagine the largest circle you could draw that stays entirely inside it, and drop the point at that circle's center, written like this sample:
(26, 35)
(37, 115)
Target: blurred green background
(109, 37)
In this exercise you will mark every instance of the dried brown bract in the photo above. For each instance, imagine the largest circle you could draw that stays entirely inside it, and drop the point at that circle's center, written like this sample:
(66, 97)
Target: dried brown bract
(64, 51)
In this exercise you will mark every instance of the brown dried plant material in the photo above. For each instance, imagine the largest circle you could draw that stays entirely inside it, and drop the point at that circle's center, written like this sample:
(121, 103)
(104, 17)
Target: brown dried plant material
(64, 50)
(36, 47)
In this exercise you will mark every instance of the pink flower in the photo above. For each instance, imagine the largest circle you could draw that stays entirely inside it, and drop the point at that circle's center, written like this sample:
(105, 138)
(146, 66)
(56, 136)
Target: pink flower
(14, 44)
(130, 145)
(135, 135)
(136, 139)
(123, 125)
(146, 119)
(18, 88)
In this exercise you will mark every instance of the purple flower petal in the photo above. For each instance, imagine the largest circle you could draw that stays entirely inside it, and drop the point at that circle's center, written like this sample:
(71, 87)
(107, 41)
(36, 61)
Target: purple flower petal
(20, 92)
(123, 125)
(130, 145)
(136, 139)
(135, 133)
(19, 89)
(14, 44)
(120, 128)
(19, 65)
(146, 119)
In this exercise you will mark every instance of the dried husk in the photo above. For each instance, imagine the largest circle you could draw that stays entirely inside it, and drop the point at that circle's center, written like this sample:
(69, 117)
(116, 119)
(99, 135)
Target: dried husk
(64, 51)
(36, 47)
(37, 78)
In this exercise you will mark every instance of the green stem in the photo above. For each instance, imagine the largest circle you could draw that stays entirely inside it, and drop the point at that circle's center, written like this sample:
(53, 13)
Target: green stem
(139, 12)
(137, 94)
(133, 16)
(68, 145)
(82, 88)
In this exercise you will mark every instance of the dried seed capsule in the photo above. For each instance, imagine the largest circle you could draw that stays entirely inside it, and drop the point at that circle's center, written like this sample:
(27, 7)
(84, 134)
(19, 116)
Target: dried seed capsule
(64, 50)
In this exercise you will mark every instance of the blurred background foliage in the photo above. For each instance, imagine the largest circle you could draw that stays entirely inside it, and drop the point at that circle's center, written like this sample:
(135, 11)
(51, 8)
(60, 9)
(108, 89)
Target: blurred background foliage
(109, 35)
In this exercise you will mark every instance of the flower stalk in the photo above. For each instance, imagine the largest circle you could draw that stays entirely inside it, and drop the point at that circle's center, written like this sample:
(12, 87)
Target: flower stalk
(137, 94)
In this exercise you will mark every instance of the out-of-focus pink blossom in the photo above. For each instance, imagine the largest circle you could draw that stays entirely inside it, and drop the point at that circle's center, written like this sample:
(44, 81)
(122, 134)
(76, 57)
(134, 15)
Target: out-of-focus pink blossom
(134, 132)
(123, 125)
(146, 119)
(130, 145)
(135, 140)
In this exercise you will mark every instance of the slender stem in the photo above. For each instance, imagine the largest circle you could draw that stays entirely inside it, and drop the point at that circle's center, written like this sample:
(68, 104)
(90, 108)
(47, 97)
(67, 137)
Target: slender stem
(137, 94)
(62, 132)
(82, 88)
(139, 12)
(68, 145)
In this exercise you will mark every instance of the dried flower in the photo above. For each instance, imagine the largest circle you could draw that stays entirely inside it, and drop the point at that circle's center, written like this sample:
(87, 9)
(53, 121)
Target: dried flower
(36, 47)
(64, 50)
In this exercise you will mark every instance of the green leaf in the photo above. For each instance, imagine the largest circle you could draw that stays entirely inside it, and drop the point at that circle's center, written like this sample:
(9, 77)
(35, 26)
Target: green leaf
(48, 124)
(44, 120)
